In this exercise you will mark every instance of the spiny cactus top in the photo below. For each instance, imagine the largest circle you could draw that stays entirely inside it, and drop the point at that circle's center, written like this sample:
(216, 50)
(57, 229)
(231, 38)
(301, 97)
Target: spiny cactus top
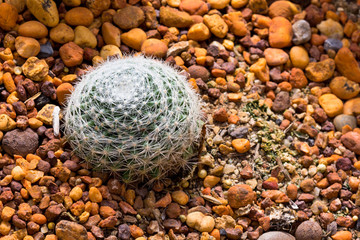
(135, 116)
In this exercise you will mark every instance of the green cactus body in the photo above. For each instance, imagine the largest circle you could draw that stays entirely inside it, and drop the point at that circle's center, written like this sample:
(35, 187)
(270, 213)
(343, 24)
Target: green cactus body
(134, 116)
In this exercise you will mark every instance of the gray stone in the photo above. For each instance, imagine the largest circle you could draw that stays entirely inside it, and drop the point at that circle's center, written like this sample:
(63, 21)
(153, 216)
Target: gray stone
(302, 32)
(177, 48)
(341, 120)
(276, 235)
(333, 43)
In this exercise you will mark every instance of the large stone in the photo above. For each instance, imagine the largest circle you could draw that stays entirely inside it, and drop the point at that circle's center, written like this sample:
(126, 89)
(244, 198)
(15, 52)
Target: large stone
(66, 230)
(129, 17)
(280, 33)
(331, 29)
(8, 16)
(351, 140)
(276, 235)
(172, 17)
(308, 230)
(275, 57)
(281, 102)
(18, 142)
(320, 71)
(347, 65)
(302, 32)
(331, 104)
(217, 25)
(344, 88)
(341, 120)
(45, 11)
(240, 196)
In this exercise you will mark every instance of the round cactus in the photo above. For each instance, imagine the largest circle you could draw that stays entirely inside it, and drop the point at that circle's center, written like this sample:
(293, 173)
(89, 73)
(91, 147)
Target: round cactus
(134, 116)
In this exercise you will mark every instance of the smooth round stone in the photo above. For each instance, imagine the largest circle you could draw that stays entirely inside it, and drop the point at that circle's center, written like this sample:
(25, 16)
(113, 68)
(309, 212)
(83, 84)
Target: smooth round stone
(46, 50)
(333, 43)
(276, 235)
(341, 120)
(302, 32)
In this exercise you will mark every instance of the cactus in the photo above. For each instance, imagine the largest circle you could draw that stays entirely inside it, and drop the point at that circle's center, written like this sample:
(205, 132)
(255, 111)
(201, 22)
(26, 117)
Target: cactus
(134, 116)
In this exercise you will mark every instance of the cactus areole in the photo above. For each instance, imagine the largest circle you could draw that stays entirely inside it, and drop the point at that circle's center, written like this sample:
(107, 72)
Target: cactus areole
(134, 116)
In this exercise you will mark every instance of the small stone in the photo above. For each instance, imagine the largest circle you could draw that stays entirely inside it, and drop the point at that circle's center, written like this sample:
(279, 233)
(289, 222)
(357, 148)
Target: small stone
(342, 120)
(84, 37)
(275, 235)
(27, 47)
(258, 6)
(239, 3)
(308, 230)
(124, 232)
(95, 195)
(54, 211)
(261, 70)
(241, 145)
(281, 102)
(180, 197)
(33, 29)
(220, 115)
(46, 114)
(71, 54)
(344, 88)
(320, 71)
(211, 181)
(217, 25)
(307, 185)
(129, 17)
(200, 222)
(347, 65)
(297, 78)
(136, 232)
(302, 32)
(275, 57)
(79, 16)
(199, 32)
(111, 34)
(236, 23)
(284, 9)
(45, 12)
(76, 193)
(314, 15)
(177, 48)
(46, 50)
(35, 69)
(63, 91)
(8, 16)
(333, 44)
(344, 164)
(351, 140)
(342, 235)
(98, 6)
(280, 33)
(7, 213)
(62, 33)
(134, 38)
(240, 196)
(331, 104)
(194, 7)
(66, 230)
(197, 71)
(108, 51)
(331, 29)
(154, 47)
(299, 57)
(172, 17)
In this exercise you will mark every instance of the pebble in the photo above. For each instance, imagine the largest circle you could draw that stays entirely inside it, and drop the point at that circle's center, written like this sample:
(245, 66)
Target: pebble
(261, 70)
(239, 3)
(299, 57)
(298, 78)
(351, 140)
(154, 47)
(63, 91)
(283, 9)
(79, 16)
(194, 7)
(172, 17)
(200, 222)
(240, 196)
(177, 48)
(302, 32)
(71, 54)
(110, 50)
(217, 25)
(331, 29)
(129, 17)
(68, 230)
(347, 65)
(180, 197)
(84, 37)
(27, 47)
(275, 57)
(280, 33)
(8, 16)
(352, 106)
(35, 69)
(198, 32)
(241, 145)
(46, 50)
(18, 142)
(320, 71)
(95, 195)
(45, 11)
(341, 120)
(33, 29)
(344, 88)
(281, 102)
(236, 23)
(308, 230)
(275, 235)
(258, 6)
(333, 43)
(134, 38)
(62, 33)
(110, 33)
(331, 104)
(342, 235)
